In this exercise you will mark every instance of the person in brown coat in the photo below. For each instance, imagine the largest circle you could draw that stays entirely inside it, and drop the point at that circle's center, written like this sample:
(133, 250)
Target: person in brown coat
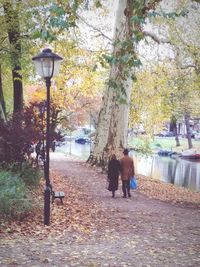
(127, 171)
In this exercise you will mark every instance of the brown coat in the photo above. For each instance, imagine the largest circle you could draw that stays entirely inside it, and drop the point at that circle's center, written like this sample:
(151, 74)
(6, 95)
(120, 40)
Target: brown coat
(127, 168)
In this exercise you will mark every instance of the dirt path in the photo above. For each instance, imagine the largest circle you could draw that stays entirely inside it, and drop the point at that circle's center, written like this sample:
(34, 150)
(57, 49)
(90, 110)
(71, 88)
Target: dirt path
(137, 232)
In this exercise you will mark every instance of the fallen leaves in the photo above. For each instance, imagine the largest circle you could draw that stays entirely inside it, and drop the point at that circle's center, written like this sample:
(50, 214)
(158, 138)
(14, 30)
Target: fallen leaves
(92, 229)
(78, 213)
(81, 213)
(166, 192)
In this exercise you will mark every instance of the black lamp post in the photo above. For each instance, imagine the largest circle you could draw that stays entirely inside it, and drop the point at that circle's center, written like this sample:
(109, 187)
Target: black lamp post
(47, 65)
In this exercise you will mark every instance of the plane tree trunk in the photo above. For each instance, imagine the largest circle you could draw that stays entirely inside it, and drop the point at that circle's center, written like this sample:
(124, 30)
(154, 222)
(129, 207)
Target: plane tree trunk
(111, 134)
(112, 129)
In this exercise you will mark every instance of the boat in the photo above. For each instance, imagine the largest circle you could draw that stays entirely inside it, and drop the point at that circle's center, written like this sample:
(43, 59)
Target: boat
(190, 154)
(167, 153)
(82, 140)
(193, 156)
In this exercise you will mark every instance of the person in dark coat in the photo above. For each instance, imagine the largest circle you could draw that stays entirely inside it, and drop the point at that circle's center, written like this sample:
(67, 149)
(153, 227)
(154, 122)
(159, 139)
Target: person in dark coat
(38, 150)
(113, 174)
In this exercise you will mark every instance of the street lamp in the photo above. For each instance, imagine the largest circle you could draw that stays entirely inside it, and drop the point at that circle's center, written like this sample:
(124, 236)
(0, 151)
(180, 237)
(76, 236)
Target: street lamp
(47, 65)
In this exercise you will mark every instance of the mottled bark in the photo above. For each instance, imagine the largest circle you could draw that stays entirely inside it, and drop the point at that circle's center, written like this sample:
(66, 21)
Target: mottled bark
(113, 117)
(111, 134)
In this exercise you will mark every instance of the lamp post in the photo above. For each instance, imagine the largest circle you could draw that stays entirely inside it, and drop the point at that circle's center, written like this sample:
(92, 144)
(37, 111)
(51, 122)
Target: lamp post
(47, 65)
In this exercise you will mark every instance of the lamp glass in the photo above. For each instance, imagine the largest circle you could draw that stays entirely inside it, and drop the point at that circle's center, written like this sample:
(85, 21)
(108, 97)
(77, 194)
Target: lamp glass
(44, 67)
(47, 67)
(47, 64)
(56, 67)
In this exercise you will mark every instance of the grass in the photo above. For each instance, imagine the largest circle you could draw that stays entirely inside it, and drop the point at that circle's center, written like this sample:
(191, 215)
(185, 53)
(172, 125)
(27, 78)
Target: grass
(166, 143)
(170, 144)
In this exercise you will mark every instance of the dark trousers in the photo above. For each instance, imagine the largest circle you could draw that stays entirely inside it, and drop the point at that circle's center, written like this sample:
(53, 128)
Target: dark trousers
(126, 187)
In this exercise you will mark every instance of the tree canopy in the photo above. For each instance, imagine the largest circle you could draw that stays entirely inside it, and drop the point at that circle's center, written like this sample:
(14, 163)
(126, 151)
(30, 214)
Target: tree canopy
(154, 56)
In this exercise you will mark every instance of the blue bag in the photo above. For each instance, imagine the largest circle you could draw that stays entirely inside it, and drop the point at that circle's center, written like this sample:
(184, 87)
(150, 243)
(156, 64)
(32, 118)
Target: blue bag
(133, 183)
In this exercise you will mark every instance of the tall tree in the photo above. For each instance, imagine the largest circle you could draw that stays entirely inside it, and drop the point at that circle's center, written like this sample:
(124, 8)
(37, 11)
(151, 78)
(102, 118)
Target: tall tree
(11, 12)
(111, 135)
(29, 26)
(2, 102)
(148, 107)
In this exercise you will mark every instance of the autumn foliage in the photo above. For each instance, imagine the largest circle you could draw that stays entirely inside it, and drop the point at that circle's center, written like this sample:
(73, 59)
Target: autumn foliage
(17, 136)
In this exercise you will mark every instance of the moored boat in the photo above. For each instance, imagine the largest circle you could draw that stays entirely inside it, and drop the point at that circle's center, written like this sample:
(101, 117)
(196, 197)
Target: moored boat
(167, 153)
(82, 140)
(190, 154)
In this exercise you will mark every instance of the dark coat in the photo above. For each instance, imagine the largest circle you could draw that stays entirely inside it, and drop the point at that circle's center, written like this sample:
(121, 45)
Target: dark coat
(113, 174)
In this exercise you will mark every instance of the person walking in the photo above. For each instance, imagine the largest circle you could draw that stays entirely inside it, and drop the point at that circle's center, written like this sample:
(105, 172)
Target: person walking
(113, 174)
(127, 171)
(53, 146)
(38, 150)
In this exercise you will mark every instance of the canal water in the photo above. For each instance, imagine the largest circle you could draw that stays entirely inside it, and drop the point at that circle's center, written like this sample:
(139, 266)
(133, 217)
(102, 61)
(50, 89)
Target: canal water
(175, 171)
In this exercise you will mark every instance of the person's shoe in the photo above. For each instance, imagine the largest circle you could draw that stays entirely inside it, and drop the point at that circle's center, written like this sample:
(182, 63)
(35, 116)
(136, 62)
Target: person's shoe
(124, 196)
(129, 195)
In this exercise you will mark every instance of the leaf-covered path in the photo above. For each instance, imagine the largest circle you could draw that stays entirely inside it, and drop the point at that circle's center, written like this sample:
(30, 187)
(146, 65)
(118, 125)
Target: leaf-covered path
(95, 230)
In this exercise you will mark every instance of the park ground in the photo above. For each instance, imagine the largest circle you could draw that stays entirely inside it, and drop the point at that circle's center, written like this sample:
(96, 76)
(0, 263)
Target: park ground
(158, 226)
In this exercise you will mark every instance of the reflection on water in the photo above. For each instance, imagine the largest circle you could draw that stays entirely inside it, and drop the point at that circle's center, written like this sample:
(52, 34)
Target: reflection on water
(176, 171)
(79, 150)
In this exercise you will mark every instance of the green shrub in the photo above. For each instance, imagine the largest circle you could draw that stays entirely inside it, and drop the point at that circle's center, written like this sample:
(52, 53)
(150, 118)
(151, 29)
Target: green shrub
(30, 174)
(13, 195)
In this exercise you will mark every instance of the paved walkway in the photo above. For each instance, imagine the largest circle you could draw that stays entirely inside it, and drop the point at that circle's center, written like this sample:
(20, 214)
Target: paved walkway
(134, 232)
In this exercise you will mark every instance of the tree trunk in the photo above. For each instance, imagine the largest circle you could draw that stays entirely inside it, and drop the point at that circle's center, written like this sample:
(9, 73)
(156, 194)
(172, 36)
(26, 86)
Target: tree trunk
(177, 138)
(173, 128)
(187, 124)
(13, 29)
(2, 102)
(111, 134)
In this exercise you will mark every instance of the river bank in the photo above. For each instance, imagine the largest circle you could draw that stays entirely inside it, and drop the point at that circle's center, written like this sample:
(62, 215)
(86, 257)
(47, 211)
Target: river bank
(92, 229)
(176, 171)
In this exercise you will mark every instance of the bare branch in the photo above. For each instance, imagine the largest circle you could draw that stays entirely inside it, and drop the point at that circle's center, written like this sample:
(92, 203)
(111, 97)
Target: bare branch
(188, 66)
(156, 38)
(94, 28)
